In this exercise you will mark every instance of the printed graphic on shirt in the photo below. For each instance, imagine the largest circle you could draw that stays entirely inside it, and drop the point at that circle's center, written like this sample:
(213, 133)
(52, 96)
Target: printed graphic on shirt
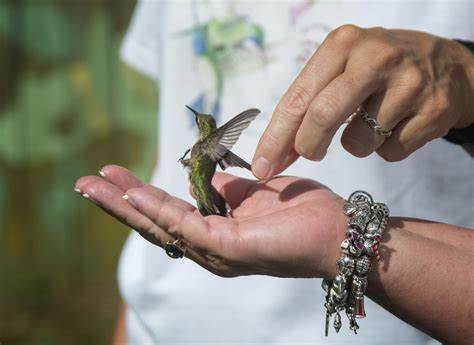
(227, 45)
(233, 44)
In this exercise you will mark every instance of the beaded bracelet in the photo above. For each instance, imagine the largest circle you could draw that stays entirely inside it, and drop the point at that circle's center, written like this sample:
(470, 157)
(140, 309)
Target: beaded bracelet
(346, 291)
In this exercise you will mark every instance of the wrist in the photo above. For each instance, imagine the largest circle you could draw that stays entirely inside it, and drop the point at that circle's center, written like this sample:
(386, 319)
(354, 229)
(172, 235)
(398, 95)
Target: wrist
(345, 291)
(328, 267)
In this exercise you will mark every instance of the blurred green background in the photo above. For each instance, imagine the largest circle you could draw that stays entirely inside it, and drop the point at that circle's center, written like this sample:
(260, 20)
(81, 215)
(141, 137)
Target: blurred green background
(67, 107)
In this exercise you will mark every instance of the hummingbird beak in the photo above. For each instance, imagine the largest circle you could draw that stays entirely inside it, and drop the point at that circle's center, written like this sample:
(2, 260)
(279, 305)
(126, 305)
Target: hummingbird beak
(196, 114)
(194, 111)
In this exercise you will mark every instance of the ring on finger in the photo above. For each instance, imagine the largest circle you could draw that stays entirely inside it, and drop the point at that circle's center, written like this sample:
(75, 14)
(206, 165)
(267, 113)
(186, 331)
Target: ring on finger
(373, 123)
(175, 249)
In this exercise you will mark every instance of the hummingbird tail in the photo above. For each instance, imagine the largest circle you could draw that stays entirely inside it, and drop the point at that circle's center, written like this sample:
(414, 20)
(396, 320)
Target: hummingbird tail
(214, 204)
(232, 160)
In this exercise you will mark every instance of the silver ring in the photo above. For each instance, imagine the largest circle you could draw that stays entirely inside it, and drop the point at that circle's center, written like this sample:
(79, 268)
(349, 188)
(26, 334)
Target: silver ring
(373, 123)
(175, 249)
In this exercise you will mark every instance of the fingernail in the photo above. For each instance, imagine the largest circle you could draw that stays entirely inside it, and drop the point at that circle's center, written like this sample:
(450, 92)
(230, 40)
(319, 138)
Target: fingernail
(77, 190)
(261, 168)
(129, 199)
(356, 147)
(85, 195)
(101, 173)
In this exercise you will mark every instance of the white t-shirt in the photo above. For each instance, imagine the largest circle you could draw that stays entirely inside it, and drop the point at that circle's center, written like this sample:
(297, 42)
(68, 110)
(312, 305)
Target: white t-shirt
(226, 56)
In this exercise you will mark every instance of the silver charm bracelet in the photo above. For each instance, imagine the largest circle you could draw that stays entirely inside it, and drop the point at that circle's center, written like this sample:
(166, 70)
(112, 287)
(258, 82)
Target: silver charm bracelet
(346, 291)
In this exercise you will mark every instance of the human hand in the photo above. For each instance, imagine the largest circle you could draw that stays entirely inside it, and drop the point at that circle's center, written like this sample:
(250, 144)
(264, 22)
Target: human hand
(286, 227)
(413, 83)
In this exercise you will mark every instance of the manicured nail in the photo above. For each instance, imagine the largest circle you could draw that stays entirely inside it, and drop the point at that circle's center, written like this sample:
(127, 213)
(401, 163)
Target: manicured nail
(77, 190)
(261, 168)
(129, 199)
(85, 195)
(101, 173)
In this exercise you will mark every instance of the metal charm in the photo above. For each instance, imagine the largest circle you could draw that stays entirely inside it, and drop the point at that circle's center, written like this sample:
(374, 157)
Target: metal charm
(359, 220)
(349, 208)
(363, 265)
(360, 196)
(353, 324)
(337, 322)
(345, 265)
(359, 284)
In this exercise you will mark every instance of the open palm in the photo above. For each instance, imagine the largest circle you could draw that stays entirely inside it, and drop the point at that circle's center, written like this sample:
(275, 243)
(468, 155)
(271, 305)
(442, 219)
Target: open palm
(287, 226)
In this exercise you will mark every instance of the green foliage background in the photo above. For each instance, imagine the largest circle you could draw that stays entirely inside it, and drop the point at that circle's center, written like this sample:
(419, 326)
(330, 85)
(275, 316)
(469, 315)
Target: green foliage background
(67, 107)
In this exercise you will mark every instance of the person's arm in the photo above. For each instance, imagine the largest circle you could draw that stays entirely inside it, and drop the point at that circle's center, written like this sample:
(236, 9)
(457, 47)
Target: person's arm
(120, 336)
(427, 282)
(293, 227)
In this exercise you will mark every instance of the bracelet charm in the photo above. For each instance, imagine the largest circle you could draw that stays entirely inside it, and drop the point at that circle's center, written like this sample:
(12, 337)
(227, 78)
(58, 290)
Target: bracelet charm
(346, 291)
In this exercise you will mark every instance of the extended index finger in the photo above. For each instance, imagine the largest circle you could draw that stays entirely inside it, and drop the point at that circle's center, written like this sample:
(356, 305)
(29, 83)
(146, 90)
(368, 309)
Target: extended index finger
(275, 150)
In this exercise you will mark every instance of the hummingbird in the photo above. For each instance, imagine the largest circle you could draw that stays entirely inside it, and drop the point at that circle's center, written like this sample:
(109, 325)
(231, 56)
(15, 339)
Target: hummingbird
(212, 148)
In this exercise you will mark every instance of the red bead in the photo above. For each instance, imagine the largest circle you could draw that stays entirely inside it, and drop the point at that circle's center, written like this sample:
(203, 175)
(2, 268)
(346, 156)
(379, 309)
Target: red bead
(359, 308)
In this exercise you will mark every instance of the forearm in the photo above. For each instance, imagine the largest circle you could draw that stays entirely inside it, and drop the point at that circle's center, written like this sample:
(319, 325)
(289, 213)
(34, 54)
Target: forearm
(427, 282)
(457, 237)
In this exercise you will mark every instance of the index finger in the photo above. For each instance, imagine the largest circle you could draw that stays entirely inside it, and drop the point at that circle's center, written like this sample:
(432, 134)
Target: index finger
(275, 150)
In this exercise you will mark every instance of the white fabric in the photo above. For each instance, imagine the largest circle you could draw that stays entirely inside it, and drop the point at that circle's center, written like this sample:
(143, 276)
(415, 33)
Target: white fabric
(177, 302)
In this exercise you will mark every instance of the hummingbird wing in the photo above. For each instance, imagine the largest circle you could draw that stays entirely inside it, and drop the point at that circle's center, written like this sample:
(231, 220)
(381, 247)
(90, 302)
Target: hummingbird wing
(227, 135)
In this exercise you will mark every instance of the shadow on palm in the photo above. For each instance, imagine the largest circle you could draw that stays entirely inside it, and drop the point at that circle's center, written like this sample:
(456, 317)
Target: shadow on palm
(250, 198)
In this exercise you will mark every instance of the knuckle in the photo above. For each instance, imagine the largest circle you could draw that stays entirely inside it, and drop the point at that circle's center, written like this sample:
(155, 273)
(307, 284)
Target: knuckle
(269, 141)
(378, 30)
(305, 152)
(413, 78)
(295, 102)
(141, 224)
(346, 34)
(387, 56)
(322, 112)
(155, 216)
